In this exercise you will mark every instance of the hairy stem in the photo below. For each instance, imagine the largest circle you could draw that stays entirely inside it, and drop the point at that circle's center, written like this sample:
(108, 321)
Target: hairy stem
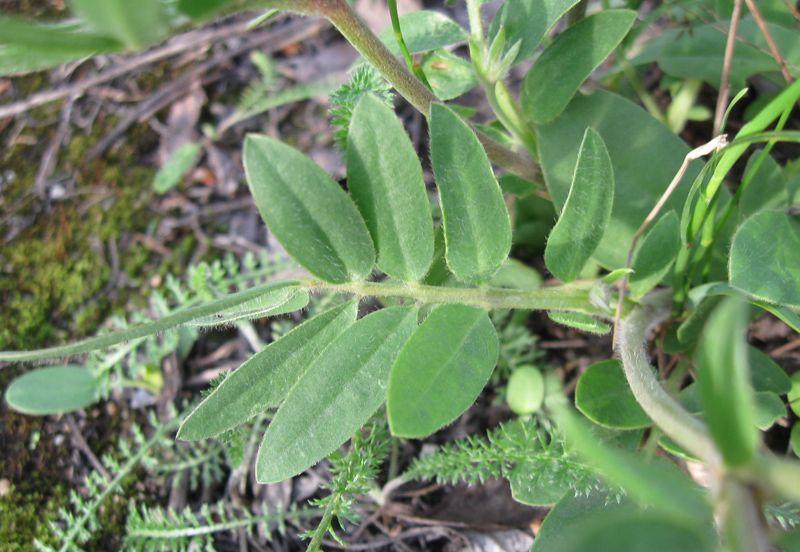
(356, 31)
(687, 431)
(560, 298)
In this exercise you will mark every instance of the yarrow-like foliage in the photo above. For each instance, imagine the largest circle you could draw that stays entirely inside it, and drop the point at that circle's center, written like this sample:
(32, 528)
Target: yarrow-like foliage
(364, 79)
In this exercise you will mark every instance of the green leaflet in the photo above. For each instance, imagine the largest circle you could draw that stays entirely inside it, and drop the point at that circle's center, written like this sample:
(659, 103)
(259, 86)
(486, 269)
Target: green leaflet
(385, 181)
(135, 24)
(336, 396)
(766, 375)
(314, 219)
(764, 259)
(266, 378)
(423, 31)
(171, 174)
(644, 154)
(201, 9)
(477, 228)
(586, 212)
(272, 303)
(449, 75)
(527, 21)
(53, 40)
(53, 390)
(569, 60)
(604, 396)
(722, 368)
(580, 321)
(223, 304)
(655, 254)
(441, 370)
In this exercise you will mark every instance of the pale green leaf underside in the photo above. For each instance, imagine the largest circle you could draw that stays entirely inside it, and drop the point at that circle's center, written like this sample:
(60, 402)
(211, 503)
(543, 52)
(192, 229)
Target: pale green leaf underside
(385, 181)
(586, 212)
(645, 156)
(580, 321)
(441, 370)
(336, 396)
(52, 390)
(527, 21)
(655, 254)
(569, 60)
(307, 211)
(477, 228)
(266, 378)
(223, 304)
(765, 258)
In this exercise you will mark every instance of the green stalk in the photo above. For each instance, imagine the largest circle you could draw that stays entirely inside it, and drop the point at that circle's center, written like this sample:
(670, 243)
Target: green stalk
(687, 431)
(559, 298)
(398, 35)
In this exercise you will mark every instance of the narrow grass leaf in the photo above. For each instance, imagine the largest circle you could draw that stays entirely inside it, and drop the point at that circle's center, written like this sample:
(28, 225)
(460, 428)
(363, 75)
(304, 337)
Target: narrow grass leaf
(53, 390)
(441, 370)
(723, 373)
(385, 181)
(657, 483)
(136, 24)
(569, 60)
(477, 227)
(655, 254)
(764, 259)
(604, 396)
(580, 321)
(314, 219)
(586, 212)
(527, 22)
(336, 396)
(266, 378)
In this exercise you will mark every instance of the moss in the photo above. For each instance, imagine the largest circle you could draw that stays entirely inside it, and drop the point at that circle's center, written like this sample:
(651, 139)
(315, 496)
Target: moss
(25, 518)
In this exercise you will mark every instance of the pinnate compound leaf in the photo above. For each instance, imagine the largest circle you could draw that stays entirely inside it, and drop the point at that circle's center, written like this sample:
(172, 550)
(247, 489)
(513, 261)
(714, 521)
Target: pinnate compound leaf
(586, 212)
(266, 378)
(655, 254)
(385, 181)
(441, 370)
(53, 390)
(723, 373)
(580, 321)
(645, 156)
(423, 31)
(527, 22)
(136, 24)
(272, 303)
(604, 396)
(336, 396)
(765, 258)
(477, 228)
(569, 60)
(307, 211)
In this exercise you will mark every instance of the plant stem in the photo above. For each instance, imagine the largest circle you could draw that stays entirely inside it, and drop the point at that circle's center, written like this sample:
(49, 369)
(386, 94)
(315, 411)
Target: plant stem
(407, 85)
(476, 24)
(559, 298)
(687, 431)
